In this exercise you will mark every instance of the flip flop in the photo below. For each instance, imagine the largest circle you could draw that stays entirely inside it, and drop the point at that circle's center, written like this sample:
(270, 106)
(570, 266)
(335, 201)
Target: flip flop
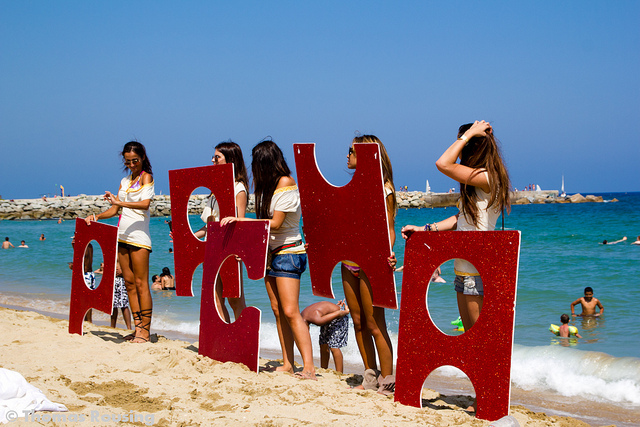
(304, 375)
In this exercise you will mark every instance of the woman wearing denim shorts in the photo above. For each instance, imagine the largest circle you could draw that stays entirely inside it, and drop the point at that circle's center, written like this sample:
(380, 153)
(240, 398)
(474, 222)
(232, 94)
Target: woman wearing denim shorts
(278, 200)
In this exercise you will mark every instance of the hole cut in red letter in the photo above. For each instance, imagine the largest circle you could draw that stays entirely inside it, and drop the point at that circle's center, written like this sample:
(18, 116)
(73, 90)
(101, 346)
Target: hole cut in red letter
(83, 298)
(484, 351)
(346, 223)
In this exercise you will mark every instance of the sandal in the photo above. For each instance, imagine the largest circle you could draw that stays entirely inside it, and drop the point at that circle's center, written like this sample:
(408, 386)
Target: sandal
(137, 319)
(387, 385)
(144, 326)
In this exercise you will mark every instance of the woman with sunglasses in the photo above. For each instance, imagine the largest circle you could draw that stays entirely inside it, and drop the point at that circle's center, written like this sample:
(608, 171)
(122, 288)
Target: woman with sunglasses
(369, 322)
(228, 152)
(278, 200)
(134, 242)
(484, 194)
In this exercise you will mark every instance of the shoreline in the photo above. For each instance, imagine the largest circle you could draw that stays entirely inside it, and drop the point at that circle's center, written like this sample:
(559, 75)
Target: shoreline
(72, 207)
(451, 397)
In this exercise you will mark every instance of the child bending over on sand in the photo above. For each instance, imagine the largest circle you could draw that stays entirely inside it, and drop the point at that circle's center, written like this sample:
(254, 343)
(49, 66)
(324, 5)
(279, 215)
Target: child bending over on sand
(588, 303)
(120, 300)
(484, 193)
(278, 200)
(333, 320)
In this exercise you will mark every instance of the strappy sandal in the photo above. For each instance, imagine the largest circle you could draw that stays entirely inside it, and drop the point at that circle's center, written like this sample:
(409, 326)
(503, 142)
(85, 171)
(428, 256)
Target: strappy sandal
(144, 326)
(137, 319)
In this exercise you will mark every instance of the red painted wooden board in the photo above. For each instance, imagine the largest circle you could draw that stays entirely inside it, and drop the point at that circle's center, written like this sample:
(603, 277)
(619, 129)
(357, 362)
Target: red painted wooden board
(484, 352)
(346, 223)
(82, 298)
(239, 341)
(188, 250)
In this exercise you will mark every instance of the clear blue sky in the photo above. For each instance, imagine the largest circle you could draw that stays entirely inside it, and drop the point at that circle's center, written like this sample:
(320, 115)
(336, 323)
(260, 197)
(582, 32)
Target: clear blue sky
(559, 80)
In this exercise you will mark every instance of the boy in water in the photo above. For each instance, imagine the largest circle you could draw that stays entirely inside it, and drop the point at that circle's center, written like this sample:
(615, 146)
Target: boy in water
(564, 328)
(588, 303)
(334, 329)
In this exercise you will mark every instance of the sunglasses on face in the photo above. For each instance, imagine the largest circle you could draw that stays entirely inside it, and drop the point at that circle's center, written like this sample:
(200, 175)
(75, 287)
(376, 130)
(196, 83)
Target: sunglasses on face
(131, 162)
(351, 151)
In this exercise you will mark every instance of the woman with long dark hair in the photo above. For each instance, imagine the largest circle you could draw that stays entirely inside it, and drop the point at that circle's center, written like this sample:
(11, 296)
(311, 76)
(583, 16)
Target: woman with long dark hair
(278, 200)
(228, 152)
(134, 242)
(484, 195)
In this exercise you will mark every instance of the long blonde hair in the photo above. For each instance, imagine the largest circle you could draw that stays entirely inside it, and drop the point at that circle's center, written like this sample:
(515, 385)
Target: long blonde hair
(387, 170)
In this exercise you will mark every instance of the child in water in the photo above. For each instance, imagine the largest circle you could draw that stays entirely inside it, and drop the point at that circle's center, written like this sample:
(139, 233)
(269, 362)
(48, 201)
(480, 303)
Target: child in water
(565, 332)
(588, 303)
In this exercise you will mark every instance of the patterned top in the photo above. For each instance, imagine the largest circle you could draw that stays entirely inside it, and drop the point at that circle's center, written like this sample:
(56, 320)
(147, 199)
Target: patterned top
(133, 227)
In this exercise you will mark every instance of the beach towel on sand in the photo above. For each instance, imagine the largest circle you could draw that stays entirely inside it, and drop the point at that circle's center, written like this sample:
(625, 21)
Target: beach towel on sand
(17, 395)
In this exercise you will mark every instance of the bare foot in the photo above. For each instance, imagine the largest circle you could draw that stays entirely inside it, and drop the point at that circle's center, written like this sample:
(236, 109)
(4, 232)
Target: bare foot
(283, 369)
(305, 375)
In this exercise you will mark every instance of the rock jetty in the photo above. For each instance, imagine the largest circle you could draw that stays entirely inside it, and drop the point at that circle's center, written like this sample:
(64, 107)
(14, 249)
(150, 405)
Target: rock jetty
(83, 205)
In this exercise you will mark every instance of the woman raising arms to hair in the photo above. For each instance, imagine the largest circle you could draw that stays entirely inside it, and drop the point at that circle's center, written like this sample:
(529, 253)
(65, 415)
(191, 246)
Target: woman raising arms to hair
(369, 322)
(134, 242)
(278, 200)
(484, 194)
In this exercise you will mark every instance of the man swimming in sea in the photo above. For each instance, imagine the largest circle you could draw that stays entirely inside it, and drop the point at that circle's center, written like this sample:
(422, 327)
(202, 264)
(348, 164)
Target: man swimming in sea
(589, 304)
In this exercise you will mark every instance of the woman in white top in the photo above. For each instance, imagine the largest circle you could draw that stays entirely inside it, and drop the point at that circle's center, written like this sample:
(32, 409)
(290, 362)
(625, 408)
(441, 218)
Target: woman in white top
(278, 200)
(134, 242)
(228, 152)
(484, 194)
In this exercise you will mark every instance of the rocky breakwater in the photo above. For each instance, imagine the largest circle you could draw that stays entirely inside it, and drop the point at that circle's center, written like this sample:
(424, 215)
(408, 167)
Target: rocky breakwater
(82, 206)
(418, 199)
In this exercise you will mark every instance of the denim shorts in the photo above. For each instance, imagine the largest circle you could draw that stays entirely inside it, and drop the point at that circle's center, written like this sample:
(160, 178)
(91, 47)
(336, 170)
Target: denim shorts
(469, 285)
(288, 265)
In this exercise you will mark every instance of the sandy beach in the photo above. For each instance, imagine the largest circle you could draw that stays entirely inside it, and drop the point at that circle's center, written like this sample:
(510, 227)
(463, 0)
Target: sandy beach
(167, 383)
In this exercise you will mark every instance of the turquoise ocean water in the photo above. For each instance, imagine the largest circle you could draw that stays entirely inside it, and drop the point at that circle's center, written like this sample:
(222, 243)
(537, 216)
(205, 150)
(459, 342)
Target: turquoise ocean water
(560, 255)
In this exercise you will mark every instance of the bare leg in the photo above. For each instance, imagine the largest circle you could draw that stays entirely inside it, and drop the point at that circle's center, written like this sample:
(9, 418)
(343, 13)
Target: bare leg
(222, 310)
(139, 259)
(126, 314)
(376, 323)
(114, 317)
(337, 359)
(351, 285)
(325, 354)
(129, 281)
(237, 305)
(88, 317)
(469, 307)
(284, 331)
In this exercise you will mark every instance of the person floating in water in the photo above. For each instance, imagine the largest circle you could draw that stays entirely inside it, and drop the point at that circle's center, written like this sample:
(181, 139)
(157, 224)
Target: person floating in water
(637, 242)
(605, 242)
(564, 331)
(589, 304)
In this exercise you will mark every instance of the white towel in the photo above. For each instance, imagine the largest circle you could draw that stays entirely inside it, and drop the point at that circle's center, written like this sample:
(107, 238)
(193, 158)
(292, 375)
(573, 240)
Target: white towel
(17, 395)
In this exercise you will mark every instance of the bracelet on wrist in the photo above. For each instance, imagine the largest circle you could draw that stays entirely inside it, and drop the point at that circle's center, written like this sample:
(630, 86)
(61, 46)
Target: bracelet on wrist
(464, 138)
(427, 227)
(435, 225)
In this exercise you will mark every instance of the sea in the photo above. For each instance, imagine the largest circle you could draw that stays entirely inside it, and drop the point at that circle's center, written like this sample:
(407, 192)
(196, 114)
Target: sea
(561, 253)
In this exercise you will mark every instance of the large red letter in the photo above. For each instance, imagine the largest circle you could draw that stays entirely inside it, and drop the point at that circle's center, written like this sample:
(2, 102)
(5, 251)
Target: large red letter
(240, 341)
(483, 352)
(83, 298)
(188, 250)
(346, 223)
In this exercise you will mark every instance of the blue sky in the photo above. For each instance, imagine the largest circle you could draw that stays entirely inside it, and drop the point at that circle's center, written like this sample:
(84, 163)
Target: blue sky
(559, 80)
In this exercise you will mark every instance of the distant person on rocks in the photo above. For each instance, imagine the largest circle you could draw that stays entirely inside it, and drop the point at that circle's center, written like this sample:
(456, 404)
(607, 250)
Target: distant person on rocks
(605, 242)
(7, 244)
(23, 244)
(588, 303)
(333, 320)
